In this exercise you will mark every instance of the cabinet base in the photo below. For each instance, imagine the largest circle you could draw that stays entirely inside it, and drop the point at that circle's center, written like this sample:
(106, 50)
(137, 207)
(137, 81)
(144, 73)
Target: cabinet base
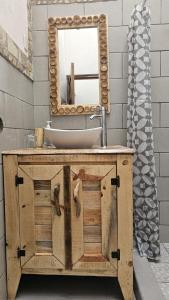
(98, 273)
(126, 285)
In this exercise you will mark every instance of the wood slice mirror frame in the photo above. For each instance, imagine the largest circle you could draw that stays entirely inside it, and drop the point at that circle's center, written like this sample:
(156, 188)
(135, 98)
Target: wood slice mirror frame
(97, 21)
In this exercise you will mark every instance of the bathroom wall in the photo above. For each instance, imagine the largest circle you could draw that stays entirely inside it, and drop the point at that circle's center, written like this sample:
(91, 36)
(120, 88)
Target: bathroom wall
(118, 15)
(12, 18)
(16, 112)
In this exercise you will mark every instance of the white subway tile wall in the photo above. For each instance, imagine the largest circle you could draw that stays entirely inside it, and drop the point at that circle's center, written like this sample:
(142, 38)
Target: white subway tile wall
(3, 286)
(164, 11)
(164, 63)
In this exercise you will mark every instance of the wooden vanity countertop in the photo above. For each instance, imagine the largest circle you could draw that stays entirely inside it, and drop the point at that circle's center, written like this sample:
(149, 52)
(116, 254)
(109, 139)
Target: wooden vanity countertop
(53, 151)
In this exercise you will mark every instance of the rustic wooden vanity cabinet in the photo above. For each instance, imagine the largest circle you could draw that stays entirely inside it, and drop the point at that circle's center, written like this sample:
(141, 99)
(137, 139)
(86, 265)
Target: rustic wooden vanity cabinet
(69, 212)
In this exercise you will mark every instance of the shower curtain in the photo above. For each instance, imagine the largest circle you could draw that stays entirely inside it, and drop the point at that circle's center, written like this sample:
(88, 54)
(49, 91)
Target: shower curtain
(140, 135)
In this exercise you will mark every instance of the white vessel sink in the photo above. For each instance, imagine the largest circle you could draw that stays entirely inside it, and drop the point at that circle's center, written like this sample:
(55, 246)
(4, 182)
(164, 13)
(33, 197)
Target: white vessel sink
(85, 138)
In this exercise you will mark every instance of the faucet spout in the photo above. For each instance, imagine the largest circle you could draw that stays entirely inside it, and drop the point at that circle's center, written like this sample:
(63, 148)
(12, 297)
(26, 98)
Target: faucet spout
(95, 116)
(102, 117)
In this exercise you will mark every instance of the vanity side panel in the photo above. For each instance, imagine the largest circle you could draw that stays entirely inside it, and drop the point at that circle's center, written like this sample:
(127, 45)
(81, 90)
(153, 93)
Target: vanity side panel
(12, 225)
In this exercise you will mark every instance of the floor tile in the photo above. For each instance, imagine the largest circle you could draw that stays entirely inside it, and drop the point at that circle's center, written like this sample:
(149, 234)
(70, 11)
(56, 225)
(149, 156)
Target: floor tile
(164, 254)
(166, 246)
(165, 290)
(161, 271)
(144, 277)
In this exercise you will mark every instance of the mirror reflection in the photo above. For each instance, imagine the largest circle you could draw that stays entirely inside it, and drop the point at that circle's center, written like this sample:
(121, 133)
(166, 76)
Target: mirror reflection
(78, 66)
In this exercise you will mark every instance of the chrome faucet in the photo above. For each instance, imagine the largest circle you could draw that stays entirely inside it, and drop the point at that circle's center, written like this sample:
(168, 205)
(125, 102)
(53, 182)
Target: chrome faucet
(48, 124)
(102, 116)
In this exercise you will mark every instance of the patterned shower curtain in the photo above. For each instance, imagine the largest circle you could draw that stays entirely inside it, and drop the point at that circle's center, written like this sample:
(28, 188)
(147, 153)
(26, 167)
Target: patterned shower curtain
(140, 136)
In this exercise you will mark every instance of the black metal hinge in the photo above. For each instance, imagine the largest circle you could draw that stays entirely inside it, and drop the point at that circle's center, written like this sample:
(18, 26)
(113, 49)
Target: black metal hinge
(116, 254)
(20, 252)
(116, 181)
(18, 180)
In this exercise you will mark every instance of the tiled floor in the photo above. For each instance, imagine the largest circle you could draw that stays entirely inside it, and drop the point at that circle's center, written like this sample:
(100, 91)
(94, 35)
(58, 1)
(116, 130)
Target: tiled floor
(64, 287)
(161, 270)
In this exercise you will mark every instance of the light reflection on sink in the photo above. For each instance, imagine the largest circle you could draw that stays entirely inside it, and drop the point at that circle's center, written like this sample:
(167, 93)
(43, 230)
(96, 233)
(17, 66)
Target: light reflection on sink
(72, 139)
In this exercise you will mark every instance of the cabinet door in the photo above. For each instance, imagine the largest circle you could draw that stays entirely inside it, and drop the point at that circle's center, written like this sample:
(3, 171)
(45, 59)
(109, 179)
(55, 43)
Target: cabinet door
(94, 217)
(42, 216)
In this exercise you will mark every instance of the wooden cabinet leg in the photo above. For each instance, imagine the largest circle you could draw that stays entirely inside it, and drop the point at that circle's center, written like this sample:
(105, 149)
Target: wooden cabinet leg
(125, 225)
(126, 283)
(12, 225)
(12, 285)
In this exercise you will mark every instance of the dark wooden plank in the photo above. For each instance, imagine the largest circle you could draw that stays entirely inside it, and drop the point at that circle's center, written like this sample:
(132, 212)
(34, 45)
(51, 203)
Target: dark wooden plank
(67, 205)
(42, 185)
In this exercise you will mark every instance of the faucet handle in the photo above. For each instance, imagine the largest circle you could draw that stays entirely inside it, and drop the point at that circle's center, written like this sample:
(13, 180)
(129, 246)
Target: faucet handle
(48, 124)
(98, 108)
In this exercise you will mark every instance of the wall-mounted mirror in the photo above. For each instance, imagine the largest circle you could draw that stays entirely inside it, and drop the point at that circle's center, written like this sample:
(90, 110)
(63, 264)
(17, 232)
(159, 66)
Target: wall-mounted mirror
(79, 77)
(78, 64)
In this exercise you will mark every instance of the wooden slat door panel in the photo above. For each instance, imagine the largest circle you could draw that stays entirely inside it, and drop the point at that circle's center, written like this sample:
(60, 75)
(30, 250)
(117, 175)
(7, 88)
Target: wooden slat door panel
(76, 225)
(27, 227)
(109, 215)
(41, 228)
(58, 234)
(94, 231)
